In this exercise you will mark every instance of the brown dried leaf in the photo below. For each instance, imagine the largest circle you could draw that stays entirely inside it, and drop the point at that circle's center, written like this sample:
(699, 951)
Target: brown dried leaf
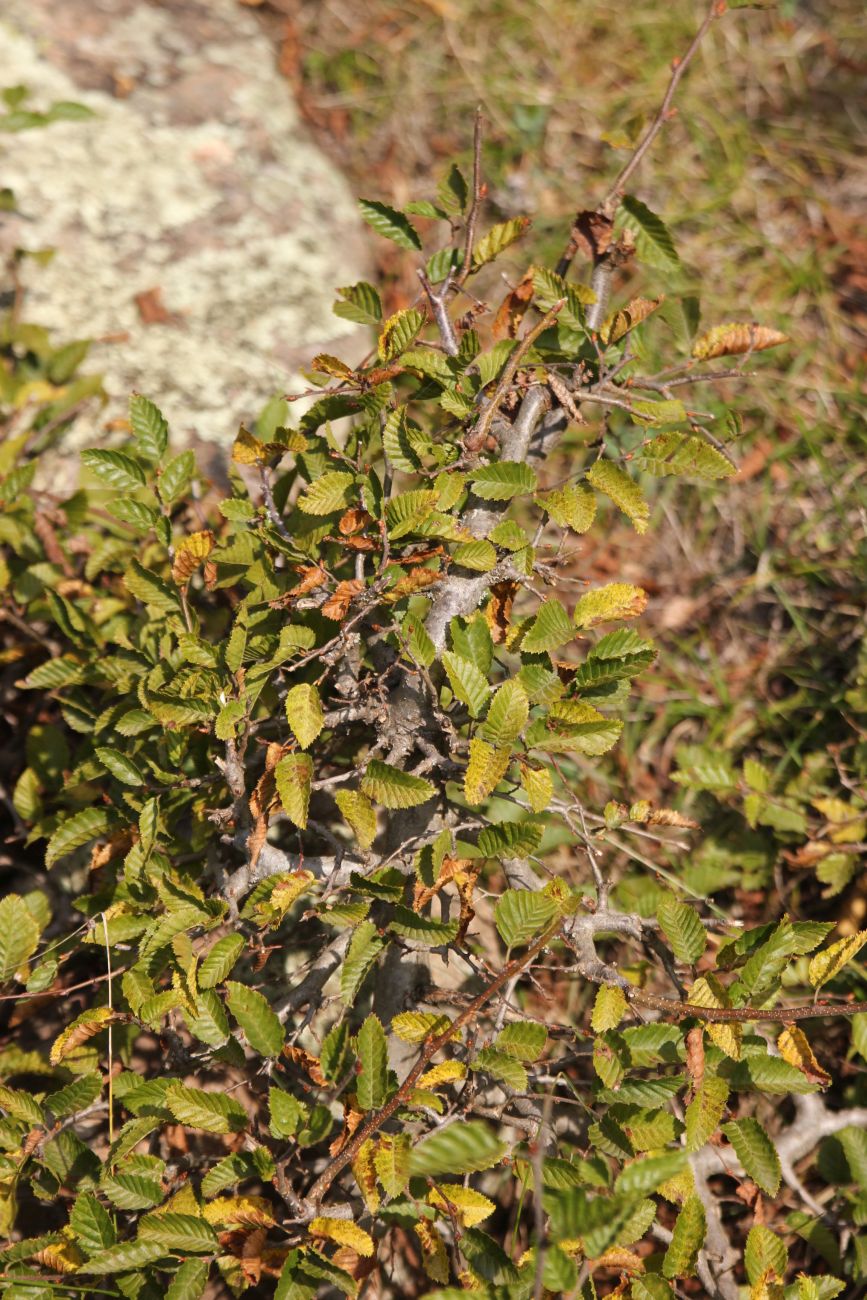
(336, 607)
(795, 1048)
(190, 553)
(512, 309)
(498, 611)
(306, 1062)
(416, 580)
(622, 321)
(354, 520)
(695, 1055)
(731, 339)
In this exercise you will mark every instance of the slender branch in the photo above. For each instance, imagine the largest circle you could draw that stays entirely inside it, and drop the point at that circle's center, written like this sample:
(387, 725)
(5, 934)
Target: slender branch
(473, 215)
(375, 1121)
(612, 199)
(477, 436)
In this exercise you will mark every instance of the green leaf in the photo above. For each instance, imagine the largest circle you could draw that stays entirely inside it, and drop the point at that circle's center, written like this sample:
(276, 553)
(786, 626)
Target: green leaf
(479, 556)
(608, 1008)
(756, 1152)
(294, 779)
(120, 766)
(133, 1190)
(770, 1074)
(764, 1250)
(327, 493)
(115, 468)
(410, 925)
(75, 1096)
(214, 1112)
(219, 960)
(79, 829)
(523, 1040)
(360, 304)
(468, 684)
(189, 1281)
(503, 480)
(398, 333)
(650, 1286)
(392, 1162)
(653, 242)
(304, 713)
(364, 947)
(572, 507)
(149, 428)
(680, 453)
(151, 590)
(502, 1066)
(179, 1232)
(485, 769)
(372, 1050)
(609, 478)
(507, 715)
(390, 223)
(19, 935)
(687, 1239)
(461, 1148)
(396, 443)
(124, 1257)
(550, 629)
(497, 239)
(521, 913)
(253, 1013)
(91, 1223)
(392, 788)
(360, 814)
(682, 928)
(287, 1113)
(176, 477)
(649, 1173)
(129, 511)
(704, 1112)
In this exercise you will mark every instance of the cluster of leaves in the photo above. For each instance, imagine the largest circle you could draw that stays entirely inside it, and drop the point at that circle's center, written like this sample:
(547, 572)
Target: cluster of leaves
(328, 725)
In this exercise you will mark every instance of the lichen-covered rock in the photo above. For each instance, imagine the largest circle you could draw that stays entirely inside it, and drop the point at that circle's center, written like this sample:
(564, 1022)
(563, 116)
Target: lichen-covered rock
(199, 233)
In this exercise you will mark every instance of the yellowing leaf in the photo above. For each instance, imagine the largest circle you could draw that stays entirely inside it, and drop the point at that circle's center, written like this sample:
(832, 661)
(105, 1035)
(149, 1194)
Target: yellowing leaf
(826, 965)
(293, 776)
(344, 1232)
(608, 1008)
(708, 992)
(398, 332)
(616, 600)
(472, 1206)
(622, 321)
(445, 1072)
(360, 814)
(538, 786)
(609, 478)
(248, 450)
(364, 1172)
(731, 339)
(416, 1026)
(190, 553)
(82, 1028)
(304, 713)
(795, 1048)
(434, 1256)
(485, 770)
(252, 1211)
